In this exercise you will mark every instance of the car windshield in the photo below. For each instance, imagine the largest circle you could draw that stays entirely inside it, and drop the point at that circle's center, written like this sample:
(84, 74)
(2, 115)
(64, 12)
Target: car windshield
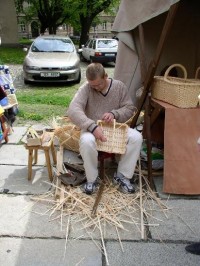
(107, 43)
(52, 45)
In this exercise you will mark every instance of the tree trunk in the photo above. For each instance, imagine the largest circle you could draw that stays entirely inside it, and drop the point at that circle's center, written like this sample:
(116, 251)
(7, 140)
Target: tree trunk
(85, 28)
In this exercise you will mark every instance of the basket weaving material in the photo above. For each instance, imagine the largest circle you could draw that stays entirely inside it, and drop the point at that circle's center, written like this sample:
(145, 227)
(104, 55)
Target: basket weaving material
(180, 92)
(12, 99)
(67, 133)
(116, 135)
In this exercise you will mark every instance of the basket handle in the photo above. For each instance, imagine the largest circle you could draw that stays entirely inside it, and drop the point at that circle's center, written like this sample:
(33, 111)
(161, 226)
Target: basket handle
(175, 65)
(197, 72)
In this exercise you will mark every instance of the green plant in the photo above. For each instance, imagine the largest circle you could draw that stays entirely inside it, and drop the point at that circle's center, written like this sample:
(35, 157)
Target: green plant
(42, 104)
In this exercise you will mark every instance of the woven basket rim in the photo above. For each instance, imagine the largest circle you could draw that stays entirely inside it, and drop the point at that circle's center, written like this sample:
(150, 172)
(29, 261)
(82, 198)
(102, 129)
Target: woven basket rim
(178, 81)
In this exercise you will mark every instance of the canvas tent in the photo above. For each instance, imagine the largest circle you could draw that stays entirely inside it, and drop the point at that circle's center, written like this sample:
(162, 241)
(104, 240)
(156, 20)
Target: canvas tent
(182, 45)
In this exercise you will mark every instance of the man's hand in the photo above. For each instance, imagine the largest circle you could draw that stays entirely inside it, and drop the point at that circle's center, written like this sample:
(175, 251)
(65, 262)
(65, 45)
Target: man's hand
(98, 133)
(108, 117)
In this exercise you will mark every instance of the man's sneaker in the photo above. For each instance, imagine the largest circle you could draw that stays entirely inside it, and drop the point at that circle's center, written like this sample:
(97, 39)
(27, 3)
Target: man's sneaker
(90, 187)
(125, 184)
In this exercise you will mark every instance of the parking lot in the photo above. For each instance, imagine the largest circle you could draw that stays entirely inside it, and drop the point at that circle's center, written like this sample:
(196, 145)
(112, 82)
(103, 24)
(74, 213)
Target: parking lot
(17, 74)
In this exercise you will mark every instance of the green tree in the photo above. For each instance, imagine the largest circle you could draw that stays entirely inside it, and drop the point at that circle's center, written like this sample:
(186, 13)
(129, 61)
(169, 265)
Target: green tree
(85, 13)
(79, 13)
(51, 13)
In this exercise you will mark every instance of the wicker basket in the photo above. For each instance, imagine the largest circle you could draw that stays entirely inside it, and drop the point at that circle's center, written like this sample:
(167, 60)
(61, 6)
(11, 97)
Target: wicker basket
(116, 134)
(181, 92)
(67, 133)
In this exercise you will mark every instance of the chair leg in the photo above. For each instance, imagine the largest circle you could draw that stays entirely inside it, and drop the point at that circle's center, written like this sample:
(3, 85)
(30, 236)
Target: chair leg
(48, 162)
(100, 191)
(35, 157)
(30, 160)
(53, 153)
(102, 170)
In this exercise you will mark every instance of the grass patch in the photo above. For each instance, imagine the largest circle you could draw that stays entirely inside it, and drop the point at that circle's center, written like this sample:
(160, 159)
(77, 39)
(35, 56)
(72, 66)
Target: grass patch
(42, 104)
(11, 55)
(37, 102)
(14, 55)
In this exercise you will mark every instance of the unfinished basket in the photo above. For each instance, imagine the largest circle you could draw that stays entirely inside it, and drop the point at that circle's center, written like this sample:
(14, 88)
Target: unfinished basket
(116, 134)
(180, 92)
(67, 133)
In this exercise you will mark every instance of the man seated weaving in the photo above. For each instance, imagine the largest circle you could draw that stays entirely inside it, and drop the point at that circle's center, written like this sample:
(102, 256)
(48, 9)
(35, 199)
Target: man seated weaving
(103, 98)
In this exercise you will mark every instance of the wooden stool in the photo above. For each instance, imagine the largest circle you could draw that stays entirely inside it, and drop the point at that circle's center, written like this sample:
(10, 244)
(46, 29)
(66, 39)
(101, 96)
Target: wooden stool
(101, 158)
(47, 146)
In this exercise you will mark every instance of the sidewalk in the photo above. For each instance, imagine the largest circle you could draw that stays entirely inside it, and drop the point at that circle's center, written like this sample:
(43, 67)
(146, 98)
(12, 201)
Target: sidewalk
(28, 237)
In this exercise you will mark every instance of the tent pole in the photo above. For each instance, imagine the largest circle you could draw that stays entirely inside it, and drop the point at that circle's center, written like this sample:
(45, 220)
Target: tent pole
(147, 84)
(154, 63)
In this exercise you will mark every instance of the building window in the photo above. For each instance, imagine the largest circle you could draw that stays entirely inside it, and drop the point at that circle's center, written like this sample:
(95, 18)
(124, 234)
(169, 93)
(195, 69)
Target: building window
(104, 25)
(22, 27)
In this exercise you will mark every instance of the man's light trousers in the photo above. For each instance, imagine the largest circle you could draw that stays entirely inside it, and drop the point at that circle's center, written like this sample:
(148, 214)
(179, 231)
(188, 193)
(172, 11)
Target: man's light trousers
(127, 161)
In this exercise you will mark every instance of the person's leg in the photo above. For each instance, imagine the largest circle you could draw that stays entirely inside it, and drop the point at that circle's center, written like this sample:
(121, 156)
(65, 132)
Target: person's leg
(89, 155)
(127, 163)
(193, 248)
(128, 160)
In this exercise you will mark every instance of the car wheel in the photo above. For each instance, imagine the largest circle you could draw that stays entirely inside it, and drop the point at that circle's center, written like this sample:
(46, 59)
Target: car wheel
(91, 61)
(79, 78)
(82, 58)
(26, 82)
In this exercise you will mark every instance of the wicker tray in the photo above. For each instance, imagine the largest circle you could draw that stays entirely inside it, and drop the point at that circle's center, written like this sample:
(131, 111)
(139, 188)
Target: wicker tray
(67, 133)
(116, 135)
(181, 92)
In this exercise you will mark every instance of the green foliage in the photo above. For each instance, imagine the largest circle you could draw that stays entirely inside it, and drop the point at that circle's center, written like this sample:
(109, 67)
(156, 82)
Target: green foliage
(80, 14)
(43, 103)
(11, 55)
(25, 41)
(30, 116)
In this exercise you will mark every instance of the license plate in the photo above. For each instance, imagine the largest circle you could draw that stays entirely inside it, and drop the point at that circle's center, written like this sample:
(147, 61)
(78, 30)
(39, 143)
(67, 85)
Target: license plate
(50, 74)
(109, 54)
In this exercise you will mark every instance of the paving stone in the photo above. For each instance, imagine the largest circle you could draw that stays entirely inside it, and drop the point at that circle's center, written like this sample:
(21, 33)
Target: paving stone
(14, 179)
(18, 155)
(179, 223)
(48, 252)
(17, 135)
(150, 254)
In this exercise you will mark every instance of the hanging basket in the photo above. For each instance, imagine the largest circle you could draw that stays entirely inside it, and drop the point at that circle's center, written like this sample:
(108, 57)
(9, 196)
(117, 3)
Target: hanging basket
(180, 92)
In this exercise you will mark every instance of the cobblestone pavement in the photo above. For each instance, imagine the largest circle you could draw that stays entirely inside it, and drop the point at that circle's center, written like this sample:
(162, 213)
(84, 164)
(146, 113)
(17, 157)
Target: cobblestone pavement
(17, 74)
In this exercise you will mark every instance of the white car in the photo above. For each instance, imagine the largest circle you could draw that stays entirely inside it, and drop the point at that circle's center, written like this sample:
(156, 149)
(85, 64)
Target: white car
(100, 50)
(52, 58)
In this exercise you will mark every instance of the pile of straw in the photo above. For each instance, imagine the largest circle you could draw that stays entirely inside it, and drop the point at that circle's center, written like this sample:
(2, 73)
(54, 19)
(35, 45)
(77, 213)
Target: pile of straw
(73, 207)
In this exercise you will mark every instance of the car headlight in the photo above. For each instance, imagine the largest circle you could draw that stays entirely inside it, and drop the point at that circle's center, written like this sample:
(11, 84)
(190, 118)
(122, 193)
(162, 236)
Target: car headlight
(69, 67)
(32, 68)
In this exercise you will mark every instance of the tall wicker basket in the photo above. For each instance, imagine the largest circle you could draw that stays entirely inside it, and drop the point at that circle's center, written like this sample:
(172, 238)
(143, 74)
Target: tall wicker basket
(181, 92)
